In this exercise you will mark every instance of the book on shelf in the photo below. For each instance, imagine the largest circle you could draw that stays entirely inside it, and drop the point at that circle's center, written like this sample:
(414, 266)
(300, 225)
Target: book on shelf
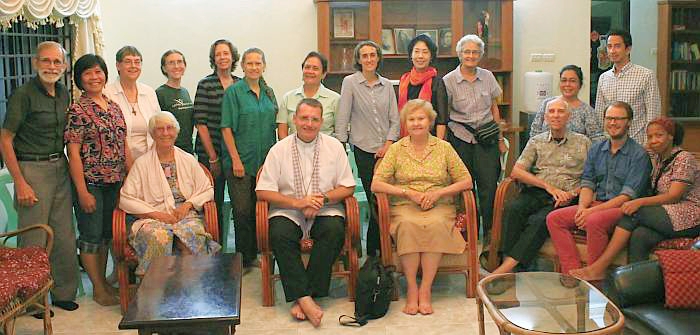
(685, 51)
(684, 80)
(685, 18)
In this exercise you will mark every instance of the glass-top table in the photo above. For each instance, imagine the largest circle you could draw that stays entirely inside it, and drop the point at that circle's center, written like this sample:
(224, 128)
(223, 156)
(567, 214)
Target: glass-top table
(546, 303)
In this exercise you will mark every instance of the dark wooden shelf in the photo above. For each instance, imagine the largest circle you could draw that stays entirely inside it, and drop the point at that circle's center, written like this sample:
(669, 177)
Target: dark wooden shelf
(686, 32)
(685, 91)
(688, 62)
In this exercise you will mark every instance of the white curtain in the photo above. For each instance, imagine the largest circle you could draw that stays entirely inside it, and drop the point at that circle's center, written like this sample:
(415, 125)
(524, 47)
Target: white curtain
(84, 16)
(37, 12)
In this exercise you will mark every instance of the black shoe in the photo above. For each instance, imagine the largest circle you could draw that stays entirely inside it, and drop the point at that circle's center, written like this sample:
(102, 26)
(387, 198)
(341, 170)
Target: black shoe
(40, 315)
(66, 305)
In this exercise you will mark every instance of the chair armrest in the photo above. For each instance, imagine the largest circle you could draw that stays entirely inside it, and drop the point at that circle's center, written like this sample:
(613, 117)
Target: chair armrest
(262, 226)
(507, 189)
(383, 213)
(48, 230)
(471, 226)
(352, 221)
(119, 235)
(637, 283)
(211, 220)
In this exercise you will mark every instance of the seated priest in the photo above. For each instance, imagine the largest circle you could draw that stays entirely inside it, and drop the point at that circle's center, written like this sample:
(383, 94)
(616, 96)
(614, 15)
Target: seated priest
(305, 179)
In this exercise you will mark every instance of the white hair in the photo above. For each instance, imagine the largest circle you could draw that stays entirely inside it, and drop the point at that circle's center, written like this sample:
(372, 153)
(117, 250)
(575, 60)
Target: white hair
(566, 104)
(50, 44)
(162, 116)
(469, 38)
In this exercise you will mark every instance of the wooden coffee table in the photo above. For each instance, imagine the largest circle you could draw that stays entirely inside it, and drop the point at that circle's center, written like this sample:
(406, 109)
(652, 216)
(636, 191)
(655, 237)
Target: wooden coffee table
(188, 295)
(542, 303)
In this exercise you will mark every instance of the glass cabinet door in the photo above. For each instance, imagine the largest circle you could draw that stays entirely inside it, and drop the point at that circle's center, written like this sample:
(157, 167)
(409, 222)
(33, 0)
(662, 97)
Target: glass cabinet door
(349, 24)
(403, 20)
(483, 18)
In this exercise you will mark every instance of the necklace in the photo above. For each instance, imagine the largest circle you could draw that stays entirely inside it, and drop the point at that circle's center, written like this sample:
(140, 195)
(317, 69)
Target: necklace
(133, 107)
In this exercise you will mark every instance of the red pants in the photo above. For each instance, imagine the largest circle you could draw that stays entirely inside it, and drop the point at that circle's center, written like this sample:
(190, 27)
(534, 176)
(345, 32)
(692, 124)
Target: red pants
(599, 225)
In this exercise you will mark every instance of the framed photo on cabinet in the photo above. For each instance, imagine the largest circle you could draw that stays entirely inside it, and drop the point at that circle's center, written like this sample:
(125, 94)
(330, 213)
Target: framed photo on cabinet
(388, 46)
(343, 23)
(403, 36)
(432, 33)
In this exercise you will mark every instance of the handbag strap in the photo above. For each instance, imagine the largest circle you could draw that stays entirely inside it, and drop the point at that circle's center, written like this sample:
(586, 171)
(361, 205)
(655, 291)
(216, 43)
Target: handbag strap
(353, 322)
(664, 166)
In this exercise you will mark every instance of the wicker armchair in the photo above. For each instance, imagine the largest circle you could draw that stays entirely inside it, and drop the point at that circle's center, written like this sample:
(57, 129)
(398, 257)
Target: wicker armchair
(346, 266)
(25, 279)
(464, 263)
(126, 256)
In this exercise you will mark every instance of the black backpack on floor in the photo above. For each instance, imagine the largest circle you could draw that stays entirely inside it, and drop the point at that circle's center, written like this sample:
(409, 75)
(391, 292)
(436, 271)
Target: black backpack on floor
(373, 293)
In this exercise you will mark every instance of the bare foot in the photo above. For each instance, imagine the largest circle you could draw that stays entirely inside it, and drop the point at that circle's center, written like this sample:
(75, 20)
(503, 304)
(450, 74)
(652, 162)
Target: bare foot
(313, 313)
(587, 274)
(424, 304)
(297, 313)
(411, 307)
(105, 298)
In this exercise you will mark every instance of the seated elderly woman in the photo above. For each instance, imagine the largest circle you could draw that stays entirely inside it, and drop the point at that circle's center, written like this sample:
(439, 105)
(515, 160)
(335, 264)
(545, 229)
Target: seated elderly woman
(421, 174)
(166, 189)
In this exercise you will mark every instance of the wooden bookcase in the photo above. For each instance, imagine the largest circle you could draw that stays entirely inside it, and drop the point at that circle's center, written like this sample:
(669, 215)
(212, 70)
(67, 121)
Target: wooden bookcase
(337, 37)
(678, 65)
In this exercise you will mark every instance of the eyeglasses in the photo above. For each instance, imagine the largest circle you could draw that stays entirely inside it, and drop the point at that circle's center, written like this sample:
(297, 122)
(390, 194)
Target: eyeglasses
(132, 62)
(48, 61)
(175, 62)
(615, 118)
(471, 52)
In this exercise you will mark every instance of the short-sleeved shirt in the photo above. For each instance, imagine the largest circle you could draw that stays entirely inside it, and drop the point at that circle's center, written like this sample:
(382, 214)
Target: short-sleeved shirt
(207, 111)
(178, 102)
(370, 110)
(684, 214)
(278, 173)
(583, 120)
(439, 167)
(252, 121)
(327, 98)
(635, 85)
(559, 164)
(470, 101)
(37, 119)
(101, 135)
(625, 172)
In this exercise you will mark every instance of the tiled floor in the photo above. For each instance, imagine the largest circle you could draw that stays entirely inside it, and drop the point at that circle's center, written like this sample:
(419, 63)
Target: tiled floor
(454, 314)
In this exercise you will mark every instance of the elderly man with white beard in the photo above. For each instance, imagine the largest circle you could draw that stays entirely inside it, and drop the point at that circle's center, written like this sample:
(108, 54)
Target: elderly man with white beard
(32, 146)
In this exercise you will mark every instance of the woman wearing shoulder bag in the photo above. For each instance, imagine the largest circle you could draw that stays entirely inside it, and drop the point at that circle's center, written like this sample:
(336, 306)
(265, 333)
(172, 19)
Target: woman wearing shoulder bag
(473, 122)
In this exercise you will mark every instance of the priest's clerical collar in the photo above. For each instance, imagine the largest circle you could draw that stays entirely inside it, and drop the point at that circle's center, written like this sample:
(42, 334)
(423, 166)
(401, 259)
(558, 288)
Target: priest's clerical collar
(300, 141)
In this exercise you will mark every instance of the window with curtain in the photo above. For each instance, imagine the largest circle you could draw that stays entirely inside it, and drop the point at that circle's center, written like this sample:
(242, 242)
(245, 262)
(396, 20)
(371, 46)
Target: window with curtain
(18, 46)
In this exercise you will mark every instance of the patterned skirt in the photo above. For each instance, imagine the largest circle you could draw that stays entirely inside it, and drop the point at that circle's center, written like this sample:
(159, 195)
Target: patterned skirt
(152, 238)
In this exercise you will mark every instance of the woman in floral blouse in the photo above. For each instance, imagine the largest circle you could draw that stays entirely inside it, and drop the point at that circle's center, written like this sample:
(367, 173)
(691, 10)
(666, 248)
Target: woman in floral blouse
(583, 119)
(673, 209)
(98, 155)
(422, 173)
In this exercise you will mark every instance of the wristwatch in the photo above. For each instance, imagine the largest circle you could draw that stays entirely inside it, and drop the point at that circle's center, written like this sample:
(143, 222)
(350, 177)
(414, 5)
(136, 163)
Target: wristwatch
(326, 199)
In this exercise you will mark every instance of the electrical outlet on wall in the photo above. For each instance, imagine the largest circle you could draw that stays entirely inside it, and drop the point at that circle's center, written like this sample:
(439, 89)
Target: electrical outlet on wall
(547, 57)
(535, 57)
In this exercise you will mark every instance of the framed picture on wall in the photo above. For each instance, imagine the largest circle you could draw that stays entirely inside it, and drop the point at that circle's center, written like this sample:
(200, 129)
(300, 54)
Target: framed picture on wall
(432, 33)
(444, 41)
(388, 46)
(403, 36)
(343, 23)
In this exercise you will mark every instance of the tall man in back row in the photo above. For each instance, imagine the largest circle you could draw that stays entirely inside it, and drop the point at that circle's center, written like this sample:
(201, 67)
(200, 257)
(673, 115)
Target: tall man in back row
(630, 83)
(305, 178)
(32, 146)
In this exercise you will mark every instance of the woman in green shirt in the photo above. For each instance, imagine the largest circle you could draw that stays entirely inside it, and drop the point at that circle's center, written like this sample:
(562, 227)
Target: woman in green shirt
(174, 98)
(248, 113)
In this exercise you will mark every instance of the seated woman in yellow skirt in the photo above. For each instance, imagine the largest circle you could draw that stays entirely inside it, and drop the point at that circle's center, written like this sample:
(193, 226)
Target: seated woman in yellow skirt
(421, 174)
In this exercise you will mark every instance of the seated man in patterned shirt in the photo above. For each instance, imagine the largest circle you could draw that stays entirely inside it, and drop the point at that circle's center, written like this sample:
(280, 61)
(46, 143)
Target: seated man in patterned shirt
(550, 169)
